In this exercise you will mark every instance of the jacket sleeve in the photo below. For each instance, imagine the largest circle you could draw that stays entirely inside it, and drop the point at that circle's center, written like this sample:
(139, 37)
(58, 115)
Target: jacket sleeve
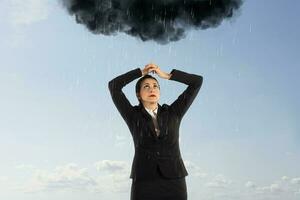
(186, 98)
(115, 87)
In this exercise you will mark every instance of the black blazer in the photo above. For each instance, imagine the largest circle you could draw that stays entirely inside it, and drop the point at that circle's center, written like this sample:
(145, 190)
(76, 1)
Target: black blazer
(153, 151)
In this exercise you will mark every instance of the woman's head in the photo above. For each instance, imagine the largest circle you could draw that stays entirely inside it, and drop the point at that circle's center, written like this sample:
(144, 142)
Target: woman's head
(147, 89)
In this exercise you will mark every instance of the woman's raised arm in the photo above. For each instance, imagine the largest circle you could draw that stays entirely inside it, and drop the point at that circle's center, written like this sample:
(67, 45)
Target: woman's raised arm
(120, 100)
(186, 98)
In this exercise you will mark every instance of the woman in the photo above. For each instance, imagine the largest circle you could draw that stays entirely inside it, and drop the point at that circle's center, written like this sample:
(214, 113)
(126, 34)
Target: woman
(158, 171)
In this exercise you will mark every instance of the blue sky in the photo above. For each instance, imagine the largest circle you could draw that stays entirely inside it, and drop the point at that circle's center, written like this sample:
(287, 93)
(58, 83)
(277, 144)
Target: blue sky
(63, 138)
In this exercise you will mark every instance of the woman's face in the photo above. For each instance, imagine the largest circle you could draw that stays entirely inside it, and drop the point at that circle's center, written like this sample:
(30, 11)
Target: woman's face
(149, 91)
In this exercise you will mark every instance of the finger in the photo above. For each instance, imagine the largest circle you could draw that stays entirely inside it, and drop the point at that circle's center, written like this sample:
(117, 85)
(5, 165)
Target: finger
(153, 70)
(148, 66)
(153, 65)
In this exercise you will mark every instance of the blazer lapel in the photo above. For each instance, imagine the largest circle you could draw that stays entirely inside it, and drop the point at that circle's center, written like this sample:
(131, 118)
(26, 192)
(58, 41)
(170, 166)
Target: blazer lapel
(162, 120)
(148, 118)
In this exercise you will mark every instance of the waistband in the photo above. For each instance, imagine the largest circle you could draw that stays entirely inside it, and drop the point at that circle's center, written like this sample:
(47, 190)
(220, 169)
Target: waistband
(156, 153)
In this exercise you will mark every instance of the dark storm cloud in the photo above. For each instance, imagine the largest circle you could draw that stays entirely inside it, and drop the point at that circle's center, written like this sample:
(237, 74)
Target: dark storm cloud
(159, 20)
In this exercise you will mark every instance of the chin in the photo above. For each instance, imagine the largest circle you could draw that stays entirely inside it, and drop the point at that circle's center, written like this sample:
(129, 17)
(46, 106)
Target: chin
(153, 101)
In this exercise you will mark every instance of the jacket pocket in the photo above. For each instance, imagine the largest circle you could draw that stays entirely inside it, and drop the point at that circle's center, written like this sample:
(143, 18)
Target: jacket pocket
(172, 168)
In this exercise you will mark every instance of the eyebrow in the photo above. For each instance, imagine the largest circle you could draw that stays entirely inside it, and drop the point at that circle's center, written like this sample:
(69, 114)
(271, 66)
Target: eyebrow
(149, 84)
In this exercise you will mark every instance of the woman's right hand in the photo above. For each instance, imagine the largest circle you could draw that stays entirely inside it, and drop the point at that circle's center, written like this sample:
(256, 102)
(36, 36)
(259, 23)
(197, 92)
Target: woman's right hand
(148, 68)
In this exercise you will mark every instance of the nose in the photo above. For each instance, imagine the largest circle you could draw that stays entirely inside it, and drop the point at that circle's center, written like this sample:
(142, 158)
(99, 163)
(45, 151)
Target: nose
(152, 89)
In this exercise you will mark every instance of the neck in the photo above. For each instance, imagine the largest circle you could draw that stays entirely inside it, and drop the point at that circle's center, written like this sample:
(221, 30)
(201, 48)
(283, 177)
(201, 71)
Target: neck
(150, 106)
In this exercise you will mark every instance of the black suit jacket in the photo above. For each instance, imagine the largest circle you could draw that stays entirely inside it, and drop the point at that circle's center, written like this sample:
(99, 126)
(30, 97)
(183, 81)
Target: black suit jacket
(153, 151)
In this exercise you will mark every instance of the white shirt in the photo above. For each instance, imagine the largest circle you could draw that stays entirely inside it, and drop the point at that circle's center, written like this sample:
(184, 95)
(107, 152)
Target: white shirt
(151, 112)
(154, 119)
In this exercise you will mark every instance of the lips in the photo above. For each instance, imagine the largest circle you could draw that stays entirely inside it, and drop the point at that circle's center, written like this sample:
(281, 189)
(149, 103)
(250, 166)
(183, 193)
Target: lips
(152, 95)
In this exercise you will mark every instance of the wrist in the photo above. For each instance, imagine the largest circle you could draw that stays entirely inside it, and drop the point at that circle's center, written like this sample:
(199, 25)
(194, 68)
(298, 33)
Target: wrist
(168, 76)
(142, 72)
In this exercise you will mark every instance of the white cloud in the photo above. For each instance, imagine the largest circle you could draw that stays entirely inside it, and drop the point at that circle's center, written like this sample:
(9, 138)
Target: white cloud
(297, 192)
(194, 170)
(285, 178)
(263, 189)
(117, 176)
(285, 188)
(25, 166)
(112, 177)
(295, 180)
(219, 181)
(25, 12)
(22, 14)
(275, 188)
(112, 166)
(250, 184)
(116, 183)
(69, 176)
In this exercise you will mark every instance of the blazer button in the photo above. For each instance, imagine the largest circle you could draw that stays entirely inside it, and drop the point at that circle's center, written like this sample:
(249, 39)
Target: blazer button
(157, 152)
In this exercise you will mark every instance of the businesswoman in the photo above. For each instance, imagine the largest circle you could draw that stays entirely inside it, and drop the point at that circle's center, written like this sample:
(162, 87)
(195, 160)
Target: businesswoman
(157, 171)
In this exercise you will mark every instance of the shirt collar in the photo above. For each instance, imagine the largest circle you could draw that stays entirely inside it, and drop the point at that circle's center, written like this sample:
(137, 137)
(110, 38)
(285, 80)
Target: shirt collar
(150, 111)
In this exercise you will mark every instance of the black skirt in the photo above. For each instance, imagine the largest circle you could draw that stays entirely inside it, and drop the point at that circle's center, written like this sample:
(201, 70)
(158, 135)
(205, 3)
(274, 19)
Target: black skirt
(160, 188)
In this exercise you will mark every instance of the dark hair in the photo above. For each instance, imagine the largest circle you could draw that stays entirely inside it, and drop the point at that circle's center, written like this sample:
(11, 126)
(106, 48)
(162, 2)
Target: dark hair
(138, 84)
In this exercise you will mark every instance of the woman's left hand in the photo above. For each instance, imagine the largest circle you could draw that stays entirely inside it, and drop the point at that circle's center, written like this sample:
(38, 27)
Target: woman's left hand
(157, 70)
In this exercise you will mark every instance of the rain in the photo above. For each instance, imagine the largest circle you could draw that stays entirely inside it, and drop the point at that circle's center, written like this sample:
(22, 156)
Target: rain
(63, 138)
